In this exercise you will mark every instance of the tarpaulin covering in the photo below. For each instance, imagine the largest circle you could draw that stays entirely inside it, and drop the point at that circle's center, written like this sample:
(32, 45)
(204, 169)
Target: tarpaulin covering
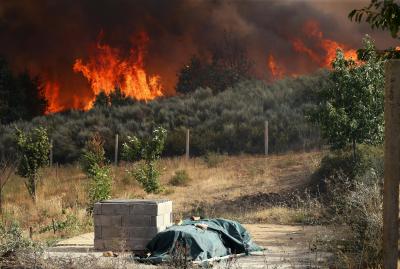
(221, 238)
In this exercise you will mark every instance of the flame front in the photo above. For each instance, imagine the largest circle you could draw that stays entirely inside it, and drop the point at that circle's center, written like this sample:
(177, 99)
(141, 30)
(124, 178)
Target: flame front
(276, 70)
(52, 91)
(322, 53)
(106, 70)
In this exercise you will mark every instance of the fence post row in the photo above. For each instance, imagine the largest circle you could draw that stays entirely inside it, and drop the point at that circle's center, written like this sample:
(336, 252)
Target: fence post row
(187, 148)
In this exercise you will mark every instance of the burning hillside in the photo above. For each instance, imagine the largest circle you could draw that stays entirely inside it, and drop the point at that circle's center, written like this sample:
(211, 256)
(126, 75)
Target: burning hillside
(145, 46)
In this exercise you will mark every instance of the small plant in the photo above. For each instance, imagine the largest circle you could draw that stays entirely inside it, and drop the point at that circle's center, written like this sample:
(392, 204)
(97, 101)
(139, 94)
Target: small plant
(181, 178)
(150, 151)
(33, 149)
(14, 246)
(93, 154)
(213, 159)
(94, 164)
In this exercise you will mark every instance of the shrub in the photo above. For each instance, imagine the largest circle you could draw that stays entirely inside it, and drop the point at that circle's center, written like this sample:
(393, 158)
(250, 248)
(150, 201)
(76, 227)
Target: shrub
(353, 198)
(34, 149)
(360, 210)
(342, 162)
(150, 151)
(181, 178)
(93, 164)
(100, 185)
(213, 159)
(148, 176)
(93, 154)
(13, 245)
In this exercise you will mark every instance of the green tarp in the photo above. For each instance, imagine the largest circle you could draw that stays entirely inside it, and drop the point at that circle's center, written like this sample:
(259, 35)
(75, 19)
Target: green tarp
(221, 238)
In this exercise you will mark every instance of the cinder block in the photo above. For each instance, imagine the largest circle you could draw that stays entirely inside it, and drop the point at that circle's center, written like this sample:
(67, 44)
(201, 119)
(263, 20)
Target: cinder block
(143, 232)
(103, 220)
(137, 220)
(153, 208)
(97, 232)
(114, 209)
(99, 244)
(147, 220)
(108, 232)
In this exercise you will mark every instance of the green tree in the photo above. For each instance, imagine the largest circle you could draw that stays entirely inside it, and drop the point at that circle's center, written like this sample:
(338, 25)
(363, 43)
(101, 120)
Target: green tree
(381, 14)
(351, 109)
(94, 164)
(21, 97)
(34, 149)
(150, 151)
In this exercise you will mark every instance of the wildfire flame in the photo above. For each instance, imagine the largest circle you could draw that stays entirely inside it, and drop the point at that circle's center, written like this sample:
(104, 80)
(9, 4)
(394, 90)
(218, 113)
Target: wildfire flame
(107, 70)
(52, 92)
(328, 48)
(277, 71)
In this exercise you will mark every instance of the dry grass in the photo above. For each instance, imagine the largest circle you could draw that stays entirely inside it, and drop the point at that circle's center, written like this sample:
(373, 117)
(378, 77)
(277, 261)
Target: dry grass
(240, 187)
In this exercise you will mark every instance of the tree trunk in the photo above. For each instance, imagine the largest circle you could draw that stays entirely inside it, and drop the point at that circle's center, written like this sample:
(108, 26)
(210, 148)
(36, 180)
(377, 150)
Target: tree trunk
(354, 149)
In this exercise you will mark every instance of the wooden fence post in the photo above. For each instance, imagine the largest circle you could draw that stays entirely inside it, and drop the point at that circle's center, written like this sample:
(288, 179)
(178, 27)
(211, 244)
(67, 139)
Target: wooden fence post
(51, 153)
(266, 139)
(116, 150)
(392, 164)
(187, 144)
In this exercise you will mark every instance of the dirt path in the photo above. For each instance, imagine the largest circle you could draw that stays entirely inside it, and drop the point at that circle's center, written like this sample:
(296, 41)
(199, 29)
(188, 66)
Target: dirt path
(286, 247)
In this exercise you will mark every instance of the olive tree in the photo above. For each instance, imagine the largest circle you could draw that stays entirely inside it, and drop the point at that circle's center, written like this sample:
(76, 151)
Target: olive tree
(351, 107)
(33, 148)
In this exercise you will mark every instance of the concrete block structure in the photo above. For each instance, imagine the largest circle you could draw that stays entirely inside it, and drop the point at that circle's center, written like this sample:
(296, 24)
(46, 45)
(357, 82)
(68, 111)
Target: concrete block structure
(129, 224)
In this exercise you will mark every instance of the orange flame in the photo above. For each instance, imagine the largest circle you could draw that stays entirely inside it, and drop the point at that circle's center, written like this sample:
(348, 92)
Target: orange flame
(106, 70)
(328, 46)
(322, 53)
(52, 92)
(277, 71)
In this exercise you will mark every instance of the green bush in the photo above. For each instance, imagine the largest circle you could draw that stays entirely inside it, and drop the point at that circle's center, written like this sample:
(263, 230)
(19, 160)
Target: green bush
(100, 185)
(12, 242)
(94, 165)
(181, 178)
(213, 159)
(149, 150)
(368, 159)
(147, 175)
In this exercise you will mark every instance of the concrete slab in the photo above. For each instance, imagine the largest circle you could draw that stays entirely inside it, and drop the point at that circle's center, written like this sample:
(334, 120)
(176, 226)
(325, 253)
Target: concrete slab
(286, 247)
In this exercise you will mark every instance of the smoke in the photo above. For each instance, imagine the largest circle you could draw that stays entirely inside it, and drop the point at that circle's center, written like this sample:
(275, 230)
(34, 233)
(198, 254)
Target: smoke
(46, 36)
